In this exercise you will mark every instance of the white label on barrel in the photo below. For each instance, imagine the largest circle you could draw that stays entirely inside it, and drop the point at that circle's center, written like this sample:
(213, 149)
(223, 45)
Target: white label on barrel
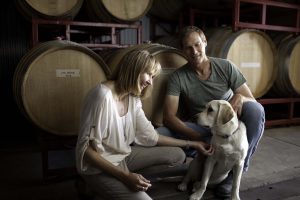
(67, 73)
(250, 64)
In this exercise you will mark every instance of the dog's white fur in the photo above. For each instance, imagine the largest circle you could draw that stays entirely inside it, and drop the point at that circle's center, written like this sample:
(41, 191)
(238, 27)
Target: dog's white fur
(230, 143)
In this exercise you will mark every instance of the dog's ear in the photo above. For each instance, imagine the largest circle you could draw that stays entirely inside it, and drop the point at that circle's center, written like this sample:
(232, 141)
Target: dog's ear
(225, 113)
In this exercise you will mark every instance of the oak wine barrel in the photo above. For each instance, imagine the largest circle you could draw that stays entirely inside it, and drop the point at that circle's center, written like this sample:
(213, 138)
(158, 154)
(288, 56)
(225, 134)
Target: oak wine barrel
(51, 81)
(121, 11)
(287, 83)
(252, 51)
(49, 9)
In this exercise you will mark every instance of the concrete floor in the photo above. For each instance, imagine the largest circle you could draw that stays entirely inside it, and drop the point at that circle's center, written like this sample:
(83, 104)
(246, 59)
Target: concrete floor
(277, 158)
(274, 173)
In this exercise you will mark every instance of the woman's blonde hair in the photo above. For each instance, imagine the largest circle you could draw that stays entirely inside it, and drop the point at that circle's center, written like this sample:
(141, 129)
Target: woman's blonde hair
(132, 65)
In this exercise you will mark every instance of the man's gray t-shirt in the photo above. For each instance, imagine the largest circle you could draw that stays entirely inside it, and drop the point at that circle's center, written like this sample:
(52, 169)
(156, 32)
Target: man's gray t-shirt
(195, 93)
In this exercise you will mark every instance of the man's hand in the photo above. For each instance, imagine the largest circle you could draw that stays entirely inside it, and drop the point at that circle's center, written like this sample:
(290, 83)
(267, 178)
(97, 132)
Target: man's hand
(237, 103)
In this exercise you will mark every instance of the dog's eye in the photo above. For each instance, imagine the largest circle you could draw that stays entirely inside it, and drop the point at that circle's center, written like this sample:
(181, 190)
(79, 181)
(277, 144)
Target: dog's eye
(209, 109)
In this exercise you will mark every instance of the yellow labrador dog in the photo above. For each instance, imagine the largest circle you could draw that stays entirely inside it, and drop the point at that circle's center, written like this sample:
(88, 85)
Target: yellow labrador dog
(230, 143)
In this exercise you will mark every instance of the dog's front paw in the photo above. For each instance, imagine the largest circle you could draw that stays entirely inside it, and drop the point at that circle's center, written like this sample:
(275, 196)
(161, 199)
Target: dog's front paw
(182, 187)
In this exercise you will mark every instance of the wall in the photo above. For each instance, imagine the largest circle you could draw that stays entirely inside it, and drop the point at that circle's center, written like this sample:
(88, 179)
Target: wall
(14, 42)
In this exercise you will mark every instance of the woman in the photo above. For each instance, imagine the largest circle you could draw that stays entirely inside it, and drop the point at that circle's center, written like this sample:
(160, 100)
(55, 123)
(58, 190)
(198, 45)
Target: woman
(115, 135)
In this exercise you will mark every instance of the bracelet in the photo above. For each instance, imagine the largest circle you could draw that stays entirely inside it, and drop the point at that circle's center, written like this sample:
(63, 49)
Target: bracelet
(187, 146)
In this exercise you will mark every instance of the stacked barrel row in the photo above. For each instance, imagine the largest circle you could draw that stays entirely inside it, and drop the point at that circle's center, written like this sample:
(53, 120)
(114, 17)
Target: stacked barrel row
(121, 11)
(52, 79)
(109, 10)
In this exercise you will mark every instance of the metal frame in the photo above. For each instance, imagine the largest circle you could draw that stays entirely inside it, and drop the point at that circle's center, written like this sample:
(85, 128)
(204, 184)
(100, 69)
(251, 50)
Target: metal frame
(236, 24)
(291, 119)
(70, 28)
(50, 142)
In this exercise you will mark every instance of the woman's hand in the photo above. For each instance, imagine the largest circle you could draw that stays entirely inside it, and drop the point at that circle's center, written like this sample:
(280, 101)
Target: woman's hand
(137, 182)
(203, 148)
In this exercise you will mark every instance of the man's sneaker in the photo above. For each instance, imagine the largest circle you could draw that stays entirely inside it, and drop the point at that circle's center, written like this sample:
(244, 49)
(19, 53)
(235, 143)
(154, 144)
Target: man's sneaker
(223, 189)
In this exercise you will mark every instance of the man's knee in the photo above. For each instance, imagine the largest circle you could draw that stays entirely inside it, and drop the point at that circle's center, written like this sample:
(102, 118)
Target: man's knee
(253, 109)
(254, 118)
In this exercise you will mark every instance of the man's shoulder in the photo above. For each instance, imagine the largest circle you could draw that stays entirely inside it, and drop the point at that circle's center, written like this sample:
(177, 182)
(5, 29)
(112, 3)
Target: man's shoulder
(218, 60)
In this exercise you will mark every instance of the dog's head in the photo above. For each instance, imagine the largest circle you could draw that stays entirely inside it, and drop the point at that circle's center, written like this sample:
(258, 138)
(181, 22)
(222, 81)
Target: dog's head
(220, 117)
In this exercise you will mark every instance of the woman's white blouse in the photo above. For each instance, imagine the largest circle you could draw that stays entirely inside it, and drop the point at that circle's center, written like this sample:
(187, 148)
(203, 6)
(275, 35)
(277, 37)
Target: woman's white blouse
(103, 128)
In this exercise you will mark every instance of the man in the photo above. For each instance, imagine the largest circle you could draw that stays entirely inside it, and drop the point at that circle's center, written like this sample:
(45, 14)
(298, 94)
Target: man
(204, 79)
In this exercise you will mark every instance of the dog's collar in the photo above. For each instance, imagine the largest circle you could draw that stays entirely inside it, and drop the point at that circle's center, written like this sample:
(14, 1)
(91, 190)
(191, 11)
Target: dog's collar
(227, 136)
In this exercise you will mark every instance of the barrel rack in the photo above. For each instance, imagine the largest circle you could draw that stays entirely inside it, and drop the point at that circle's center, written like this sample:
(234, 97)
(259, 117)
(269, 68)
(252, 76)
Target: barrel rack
(238, 23)
(50, 142)
(93, 30)
(292, 104)
(262, 24)
(289, 116)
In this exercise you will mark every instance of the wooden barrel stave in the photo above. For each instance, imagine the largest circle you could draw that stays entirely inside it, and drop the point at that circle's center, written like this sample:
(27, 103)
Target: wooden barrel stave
(252, 51)
(54, 10)
(121, 11)
(51, 82)
(287, 83)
